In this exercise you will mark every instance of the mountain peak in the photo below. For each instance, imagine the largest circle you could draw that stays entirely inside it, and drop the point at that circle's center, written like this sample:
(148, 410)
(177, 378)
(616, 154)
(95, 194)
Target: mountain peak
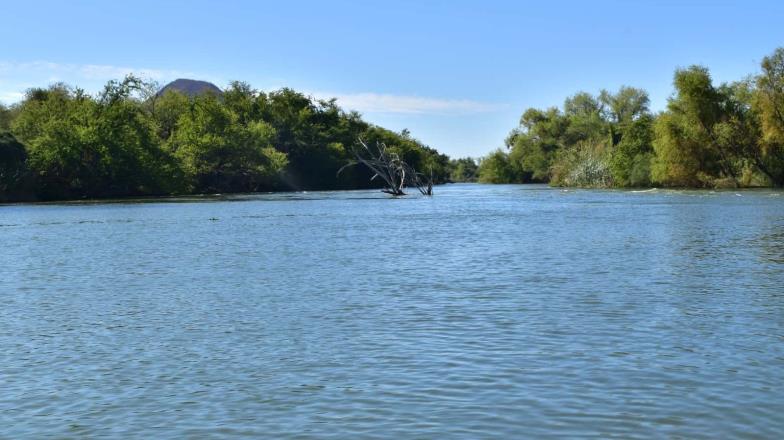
(191, 87)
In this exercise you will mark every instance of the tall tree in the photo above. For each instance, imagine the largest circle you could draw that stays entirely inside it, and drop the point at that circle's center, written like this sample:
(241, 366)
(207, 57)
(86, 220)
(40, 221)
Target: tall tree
(768, 101)
(219, 154)
(689, 148)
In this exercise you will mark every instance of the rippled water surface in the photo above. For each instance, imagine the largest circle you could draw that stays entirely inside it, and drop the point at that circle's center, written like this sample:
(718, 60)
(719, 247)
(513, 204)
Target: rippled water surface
(483, 312)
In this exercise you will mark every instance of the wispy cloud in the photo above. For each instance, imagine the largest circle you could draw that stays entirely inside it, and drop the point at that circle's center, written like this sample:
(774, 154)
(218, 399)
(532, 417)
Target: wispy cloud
(406, 104)
(15, 77)
(8, 96)
(86, 71)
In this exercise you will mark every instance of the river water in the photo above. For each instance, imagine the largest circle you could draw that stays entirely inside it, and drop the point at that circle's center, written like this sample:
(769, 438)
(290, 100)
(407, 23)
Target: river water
(482, 312)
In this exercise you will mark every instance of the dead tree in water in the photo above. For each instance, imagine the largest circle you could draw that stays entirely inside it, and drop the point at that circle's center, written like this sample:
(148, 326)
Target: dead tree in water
(396, 173)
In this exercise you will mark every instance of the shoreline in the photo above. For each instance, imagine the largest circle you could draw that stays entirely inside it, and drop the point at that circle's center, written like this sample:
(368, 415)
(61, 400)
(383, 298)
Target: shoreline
(217, 197)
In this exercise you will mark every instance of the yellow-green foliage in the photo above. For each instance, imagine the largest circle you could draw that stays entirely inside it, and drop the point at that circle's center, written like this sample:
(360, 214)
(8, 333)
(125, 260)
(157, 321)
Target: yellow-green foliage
(676, 162)
(730, 134)
(768, 102)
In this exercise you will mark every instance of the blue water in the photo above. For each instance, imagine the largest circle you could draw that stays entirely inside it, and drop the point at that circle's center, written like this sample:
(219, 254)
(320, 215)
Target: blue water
(482, 312)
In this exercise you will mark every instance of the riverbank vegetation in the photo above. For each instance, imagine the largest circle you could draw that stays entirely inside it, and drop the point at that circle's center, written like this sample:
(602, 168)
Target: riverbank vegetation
(130, 140)
(710, 135)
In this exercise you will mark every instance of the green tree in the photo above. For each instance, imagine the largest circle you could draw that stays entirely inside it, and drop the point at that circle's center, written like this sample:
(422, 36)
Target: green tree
(625, 106)
(168, 109)
(242, 99)
(584, 114)
(497, 168)
(768, 102)
(709, 135)
(124, 134)
(14, 176)
(463, 170)
(534, 144)
(219, 154)
(83, 147)
(630, 159)
(53, 124)
(309, 133)
(132, 140)
(686, 148)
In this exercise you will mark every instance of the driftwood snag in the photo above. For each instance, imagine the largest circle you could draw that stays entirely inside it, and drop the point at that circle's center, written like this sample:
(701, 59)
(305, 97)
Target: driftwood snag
(387, 166)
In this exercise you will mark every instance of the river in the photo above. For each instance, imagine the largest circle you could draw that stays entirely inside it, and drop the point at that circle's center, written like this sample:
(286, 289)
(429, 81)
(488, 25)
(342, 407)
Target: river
(516, 311)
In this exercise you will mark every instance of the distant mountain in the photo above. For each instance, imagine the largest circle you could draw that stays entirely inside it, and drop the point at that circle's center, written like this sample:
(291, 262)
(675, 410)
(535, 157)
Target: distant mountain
(191, 87)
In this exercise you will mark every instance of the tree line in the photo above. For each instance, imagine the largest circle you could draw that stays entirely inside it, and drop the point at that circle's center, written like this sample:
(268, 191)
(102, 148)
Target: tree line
(129, 140)
(725, 135)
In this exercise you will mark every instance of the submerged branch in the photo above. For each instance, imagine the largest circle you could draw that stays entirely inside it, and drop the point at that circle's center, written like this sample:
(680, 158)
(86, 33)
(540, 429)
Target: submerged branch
(396, 173)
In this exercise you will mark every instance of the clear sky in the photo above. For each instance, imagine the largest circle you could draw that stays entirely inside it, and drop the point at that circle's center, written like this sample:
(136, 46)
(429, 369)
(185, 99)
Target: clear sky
(458, 74)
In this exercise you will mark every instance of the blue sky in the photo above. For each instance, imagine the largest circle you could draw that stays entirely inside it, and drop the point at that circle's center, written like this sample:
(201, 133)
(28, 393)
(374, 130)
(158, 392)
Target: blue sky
(458, 74)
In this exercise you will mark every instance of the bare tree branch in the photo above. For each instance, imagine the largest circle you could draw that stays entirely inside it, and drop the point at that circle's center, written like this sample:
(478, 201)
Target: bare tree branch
(396, 173)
